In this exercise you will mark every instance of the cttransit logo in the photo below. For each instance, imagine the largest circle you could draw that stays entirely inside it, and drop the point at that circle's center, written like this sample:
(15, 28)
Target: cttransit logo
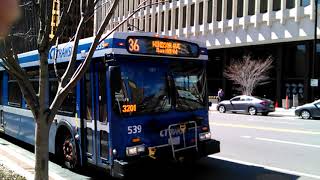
(61, 53)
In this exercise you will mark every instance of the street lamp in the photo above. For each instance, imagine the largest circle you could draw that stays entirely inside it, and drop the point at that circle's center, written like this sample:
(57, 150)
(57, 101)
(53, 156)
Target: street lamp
(314, 45)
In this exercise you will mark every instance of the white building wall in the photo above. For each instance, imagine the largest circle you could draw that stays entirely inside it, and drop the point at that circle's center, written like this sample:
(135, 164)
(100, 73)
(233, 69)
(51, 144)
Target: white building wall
(209, 20)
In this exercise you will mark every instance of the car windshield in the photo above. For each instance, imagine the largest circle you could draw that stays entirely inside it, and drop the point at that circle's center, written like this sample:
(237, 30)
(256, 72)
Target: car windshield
(151, 87)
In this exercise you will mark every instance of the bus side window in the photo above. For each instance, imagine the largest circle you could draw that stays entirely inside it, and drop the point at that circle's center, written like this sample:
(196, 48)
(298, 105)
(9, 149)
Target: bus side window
(1, 76)
(88, 94)
(68, 107)
(14, 93)
(102, 94)
(33, 75)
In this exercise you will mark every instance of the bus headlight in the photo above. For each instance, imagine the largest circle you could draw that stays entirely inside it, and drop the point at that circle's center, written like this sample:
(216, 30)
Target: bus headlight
(204, 136)
(135, 150)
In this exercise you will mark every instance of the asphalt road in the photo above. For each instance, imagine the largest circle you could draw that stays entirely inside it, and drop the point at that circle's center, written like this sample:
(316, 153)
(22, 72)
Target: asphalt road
(252, 148)
(282, 144)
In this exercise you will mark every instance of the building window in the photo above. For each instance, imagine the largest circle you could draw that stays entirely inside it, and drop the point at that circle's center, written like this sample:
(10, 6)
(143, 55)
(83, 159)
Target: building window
(209, 20)
(263, 6)
(240, 8)
(305, 3)
(290, 4)
(251, 7)
(219, 10)
(229, 9)
(276, 5)
(192, 15)
(144, 23)
(162, 21)
(149, 19)
(295, 61)
(156, 23)
(184, 21)
(169, 20)
(200, 13)
(176, 22)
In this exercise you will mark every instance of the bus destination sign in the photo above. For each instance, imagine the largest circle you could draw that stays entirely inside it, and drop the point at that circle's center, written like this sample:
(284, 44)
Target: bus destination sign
(160, 46)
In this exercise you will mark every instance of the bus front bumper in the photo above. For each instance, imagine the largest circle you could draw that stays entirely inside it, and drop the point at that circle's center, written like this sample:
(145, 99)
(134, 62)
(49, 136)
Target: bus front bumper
(163, 154)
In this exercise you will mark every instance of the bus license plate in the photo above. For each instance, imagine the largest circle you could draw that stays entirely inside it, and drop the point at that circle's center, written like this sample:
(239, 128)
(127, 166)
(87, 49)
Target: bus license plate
(175, 140)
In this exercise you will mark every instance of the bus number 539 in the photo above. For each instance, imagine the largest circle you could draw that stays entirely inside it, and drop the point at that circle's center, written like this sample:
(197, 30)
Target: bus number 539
(134, 129)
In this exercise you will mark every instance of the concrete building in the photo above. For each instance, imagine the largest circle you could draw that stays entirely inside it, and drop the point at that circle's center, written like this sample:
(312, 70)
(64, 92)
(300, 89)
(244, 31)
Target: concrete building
(283, 29)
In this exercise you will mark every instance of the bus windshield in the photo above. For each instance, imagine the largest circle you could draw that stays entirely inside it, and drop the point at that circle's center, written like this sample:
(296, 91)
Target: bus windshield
(151, 87)
(190, 82)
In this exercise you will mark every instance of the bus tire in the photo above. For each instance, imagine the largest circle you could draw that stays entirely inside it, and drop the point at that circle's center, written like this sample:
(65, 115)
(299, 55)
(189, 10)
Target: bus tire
(67, 151)
(70, 155)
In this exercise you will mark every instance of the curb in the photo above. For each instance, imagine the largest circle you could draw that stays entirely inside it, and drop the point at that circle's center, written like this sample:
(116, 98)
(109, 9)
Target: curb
(21, 165)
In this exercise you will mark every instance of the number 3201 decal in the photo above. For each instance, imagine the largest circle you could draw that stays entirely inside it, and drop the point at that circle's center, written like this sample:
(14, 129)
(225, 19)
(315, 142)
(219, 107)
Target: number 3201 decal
(129, 108)
(134, 129)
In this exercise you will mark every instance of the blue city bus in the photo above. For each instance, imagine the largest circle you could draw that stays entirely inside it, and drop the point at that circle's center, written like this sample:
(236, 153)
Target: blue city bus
(144, 97)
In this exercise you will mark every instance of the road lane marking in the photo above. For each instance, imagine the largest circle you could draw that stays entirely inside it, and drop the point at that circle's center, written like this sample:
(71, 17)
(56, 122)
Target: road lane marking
(275, 122)
(286, 171)
(288, 142)
(248, 137)
(266, 128)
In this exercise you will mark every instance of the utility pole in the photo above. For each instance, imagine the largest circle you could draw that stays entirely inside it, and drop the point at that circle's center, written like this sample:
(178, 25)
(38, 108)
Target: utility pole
(314, 49)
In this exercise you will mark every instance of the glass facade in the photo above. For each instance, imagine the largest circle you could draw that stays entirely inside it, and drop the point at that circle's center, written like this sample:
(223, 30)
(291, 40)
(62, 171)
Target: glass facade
(290, 75)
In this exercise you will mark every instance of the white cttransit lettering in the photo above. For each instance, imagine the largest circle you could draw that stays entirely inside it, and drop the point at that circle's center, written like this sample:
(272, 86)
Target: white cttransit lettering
(174, 132)
(64, 52)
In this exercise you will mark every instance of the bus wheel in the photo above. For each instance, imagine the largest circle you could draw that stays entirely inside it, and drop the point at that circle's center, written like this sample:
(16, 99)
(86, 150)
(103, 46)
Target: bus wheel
(69, 150)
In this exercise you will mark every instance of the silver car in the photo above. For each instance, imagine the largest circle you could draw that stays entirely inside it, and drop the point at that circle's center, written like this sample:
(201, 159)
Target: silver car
(246, 104)
(310, 110)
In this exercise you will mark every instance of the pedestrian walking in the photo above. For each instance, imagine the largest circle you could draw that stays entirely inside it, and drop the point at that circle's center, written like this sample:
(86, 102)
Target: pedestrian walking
(220, 95)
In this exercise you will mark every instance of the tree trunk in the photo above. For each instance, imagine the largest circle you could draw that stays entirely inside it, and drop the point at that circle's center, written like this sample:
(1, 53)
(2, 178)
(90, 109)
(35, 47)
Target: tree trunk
(41, 148)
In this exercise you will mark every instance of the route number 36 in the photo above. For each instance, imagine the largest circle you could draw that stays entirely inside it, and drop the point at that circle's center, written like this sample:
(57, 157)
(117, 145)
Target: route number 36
(133, 45)
(134, 129)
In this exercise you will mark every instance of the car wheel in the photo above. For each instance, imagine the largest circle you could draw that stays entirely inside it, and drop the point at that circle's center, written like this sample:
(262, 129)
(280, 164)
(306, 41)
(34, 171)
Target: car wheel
(252, 110)
(305, 114)
(265, 113)
(222, 109)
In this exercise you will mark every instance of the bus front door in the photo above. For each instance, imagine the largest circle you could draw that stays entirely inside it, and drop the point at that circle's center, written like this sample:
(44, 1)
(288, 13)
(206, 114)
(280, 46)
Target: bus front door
(1, 121)
(95, 118)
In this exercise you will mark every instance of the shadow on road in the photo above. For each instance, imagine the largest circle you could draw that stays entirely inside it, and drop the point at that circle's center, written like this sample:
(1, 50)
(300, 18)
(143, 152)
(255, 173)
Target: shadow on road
(206, 169)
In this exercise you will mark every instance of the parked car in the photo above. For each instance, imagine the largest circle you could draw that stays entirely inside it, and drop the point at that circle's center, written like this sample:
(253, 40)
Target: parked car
(246, 104)
(310, 110)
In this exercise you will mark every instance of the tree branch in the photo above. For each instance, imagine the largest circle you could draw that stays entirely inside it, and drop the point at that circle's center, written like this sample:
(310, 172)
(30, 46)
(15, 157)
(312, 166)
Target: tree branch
(63, 93)
(248, 73)
(55, 61)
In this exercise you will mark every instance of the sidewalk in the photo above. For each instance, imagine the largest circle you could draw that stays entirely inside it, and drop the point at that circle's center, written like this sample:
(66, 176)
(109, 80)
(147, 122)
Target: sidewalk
(277, 112)
(21, 161)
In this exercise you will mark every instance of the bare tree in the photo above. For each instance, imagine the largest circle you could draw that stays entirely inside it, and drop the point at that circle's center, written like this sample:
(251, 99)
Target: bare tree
(248, 73)
(42, 110)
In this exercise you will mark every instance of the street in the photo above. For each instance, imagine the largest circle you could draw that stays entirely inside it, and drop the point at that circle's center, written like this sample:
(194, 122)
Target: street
(284, 144)
(252, 147)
